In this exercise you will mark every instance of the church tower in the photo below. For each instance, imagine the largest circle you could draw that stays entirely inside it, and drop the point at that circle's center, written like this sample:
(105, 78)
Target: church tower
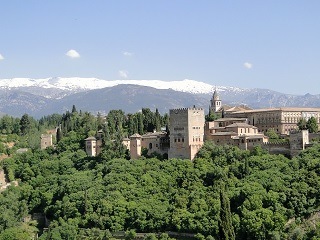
(215, 102)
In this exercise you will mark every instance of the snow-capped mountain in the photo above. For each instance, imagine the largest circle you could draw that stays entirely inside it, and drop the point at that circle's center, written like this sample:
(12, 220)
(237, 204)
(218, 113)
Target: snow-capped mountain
(76, 84)
(39, 97)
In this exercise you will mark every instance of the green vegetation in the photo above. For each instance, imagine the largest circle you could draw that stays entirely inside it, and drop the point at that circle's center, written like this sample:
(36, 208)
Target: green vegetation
(274, 137)
(211, 116)
(225, 193)
(310, 125)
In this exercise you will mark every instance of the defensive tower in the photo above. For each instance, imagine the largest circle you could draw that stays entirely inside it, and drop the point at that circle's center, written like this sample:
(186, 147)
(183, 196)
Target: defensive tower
(186, 132)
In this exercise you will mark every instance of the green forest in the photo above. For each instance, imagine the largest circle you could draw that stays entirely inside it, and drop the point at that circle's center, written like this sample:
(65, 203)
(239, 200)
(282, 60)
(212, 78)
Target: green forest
(225, 193)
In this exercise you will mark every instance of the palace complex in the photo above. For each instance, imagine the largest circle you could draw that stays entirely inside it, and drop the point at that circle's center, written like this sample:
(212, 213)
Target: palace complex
(239, 126)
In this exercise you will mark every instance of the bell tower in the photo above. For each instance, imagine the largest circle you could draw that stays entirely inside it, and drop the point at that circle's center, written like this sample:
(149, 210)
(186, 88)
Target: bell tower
(215, 102)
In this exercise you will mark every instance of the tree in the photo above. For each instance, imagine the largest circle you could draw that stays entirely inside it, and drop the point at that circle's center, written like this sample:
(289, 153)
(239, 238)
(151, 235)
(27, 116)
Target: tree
(157, 120)
(211, 116)
(302, 124)
(7, 124)
(25, 124)
(312, 125)
(129, 235)
(226, 228)
(59, 134)
(74, 110)
(272, 134)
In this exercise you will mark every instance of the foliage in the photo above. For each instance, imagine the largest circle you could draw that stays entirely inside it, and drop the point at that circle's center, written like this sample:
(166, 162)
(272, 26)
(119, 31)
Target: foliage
(302, 124)
(225, 193)
(312, 125)
(19, 232)
(211, 116)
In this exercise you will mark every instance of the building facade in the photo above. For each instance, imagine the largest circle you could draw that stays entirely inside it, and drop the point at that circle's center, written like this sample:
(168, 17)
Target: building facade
(282, 120)
(234, 132)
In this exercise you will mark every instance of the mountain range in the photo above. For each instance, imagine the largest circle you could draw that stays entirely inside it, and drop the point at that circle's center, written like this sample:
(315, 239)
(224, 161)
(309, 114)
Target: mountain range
(39, 97)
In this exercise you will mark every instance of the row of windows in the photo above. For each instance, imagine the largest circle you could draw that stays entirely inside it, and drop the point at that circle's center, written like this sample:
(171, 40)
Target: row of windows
(196, 127)
(289, 128)
(150, 145)
(247, 130)
(267, 120)
(266, 129)
(292, 114)
(179, 140)
(196, 139)
(291, 119)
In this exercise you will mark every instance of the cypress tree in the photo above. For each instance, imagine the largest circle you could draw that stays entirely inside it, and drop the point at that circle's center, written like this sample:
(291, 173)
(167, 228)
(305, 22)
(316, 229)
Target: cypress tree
(226, 230)
(59, 134)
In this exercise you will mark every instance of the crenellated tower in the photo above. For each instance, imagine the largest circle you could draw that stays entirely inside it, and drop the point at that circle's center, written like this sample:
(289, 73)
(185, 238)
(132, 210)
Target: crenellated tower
(186, 132)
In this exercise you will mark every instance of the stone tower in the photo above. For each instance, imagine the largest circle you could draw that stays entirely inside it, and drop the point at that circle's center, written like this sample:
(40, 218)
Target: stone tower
(186, 132)
(298, 141)
(91, 146)
(215, 102)
(135, 146)
(46, 141)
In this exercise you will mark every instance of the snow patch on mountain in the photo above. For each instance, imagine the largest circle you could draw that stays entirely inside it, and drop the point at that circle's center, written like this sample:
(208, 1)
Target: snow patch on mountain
(76, 84)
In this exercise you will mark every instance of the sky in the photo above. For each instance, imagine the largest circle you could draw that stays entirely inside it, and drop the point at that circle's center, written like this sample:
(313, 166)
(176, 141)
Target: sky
(248, 44)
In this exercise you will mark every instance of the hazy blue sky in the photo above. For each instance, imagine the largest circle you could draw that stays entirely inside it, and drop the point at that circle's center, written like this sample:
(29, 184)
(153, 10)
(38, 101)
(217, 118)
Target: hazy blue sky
(252, 44)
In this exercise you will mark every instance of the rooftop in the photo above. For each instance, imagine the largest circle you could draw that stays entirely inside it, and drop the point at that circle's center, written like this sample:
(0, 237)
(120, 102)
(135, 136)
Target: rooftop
(230, 119)
(283, 109)
(136, 135)
(154, 134)
(240, 125)
(90, 138)
(223, 134)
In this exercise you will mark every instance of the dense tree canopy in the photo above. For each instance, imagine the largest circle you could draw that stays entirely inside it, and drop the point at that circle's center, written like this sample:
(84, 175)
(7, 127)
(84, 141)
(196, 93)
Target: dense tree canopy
(225, 193)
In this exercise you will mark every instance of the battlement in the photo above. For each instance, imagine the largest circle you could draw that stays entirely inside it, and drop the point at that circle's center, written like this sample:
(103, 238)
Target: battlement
(184, 110)
(276, 144)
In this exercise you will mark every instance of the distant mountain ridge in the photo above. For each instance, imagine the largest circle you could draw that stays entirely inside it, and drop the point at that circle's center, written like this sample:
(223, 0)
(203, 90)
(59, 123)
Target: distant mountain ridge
(39, 97)
(75, 84)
